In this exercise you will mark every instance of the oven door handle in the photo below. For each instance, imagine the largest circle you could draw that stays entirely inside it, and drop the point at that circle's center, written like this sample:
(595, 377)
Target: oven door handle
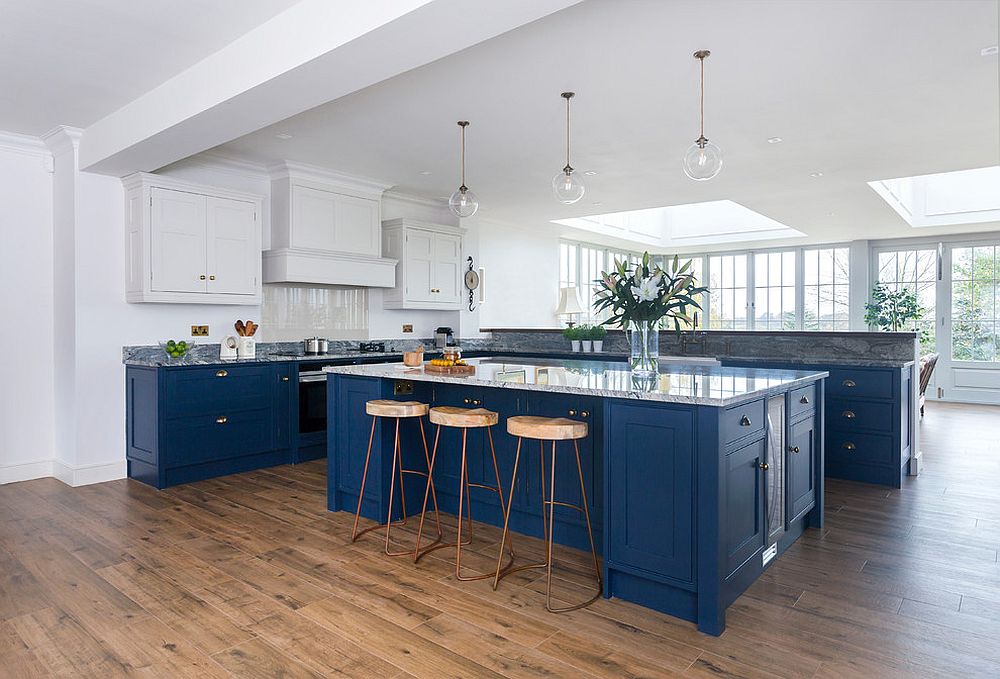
(312, 377)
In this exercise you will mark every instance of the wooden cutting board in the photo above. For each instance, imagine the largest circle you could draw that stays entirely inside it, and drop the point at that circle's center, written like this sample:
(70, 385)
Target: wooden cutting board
(450, 369)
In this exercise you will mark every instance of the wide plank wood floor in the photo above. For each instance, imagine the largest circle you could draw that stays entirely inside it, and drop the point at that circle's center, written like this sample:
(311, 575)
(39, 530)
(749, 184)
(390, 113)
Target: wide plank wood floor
(250, 576)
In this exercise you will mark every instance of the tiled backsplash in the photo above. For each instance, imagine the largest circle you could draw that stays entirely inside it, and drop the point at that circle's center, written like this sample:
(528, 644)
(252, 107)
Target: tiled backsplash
(291, 312)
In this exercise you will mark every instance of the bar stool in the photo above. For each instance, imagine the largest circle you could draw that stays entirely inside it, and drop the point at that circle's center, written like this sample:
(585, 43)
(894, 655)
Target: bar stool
(397, 410)
(552, 429)
(464, 419)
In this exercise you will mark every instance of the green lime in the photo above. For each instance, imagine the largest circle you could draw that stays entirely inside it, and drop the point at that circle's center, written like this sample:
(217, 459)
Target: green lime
(182, 345)
(170, 344)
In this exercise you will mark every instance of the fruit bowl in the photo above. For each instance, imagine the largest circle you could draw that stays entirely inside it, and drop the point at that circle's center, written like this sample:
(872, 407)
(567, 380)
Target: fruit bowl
(178, 349)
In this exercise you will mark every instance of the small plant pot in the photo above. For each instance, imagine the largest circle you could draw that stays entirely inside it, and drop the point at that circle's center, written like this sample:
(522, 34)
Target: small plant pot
(587, 345)
(576, 345)
(598, 346)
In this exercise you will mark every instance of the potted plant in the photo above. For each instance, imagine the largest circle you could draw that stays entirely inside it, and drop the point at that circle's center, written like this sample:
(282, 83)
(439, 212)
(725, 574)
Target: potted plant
(891, 311)
(639, 297)
(573, 335)
(597, 335)
(585, 341)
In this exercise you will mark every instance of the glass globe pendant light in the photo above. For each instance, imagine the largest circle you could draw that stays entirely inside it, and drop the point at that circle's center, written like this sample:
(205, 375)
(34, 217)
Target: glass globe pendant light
(566, 186)
(463, 202)
(703, 159)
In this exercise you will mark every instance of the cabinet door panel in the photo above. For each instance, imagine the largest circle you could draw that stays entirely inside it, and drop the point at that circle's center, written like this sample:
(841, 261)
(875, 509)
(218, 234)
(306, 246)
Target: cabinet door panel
(801, 491)
(178, 242)
(233, 251)
(744, 523)
(419, 266)
(651, 481)
(313, 218)
(447, 268)
(357, 226)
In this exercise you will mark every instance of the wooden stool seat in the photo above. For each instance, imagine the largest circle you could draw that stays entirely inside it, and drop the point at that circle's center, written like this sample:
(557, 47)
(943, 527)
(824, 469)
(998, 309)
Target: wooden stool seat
(463, 418)
(387, 408)
(546, 428)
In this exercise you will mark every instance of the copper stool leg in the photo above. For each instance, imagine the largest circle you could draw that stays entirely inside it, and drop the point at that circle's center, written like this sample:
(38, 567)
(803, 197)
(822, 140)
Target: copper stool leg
(506, 522)
(355, 533)
(397, 466)
(548, 551)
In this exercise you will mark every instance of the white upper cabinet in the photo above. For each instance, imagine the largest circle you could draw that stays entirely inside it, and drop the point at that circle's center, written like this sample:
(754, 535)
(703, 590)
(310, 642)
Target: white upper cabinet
(326, 229)
(188, 243)
(430, 265)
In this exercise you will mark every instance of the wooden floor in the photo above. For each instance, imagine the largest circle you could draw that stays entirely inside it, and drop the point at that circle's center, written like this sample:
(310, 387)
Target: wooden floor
(250, 576)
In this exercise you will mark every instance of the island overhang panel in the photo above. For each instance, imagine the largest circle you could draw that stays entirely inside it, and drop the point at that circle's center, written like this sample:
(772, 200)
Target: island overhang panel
(696, 478)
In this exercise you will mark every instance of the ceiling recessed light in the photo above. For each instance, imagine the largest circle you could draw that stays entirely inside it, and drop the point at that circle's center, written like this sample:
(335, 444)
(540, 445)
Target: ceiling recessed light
(425, 172)
(597, 204)
(774, 140)
(989, 51)
(590, 173)
(283, 136)
(815, 174)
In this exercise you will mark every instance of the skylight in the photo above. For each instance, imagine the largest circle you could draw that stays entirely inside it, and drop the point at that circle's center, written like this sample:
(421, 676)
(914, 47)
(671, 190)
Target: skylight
(962, 197)
(714, 222)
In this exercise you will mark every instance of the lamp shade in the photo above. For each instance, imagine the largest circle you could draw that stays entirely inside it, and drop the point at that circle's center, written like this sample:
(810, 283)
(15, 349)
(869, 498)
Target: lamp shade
(569, 302)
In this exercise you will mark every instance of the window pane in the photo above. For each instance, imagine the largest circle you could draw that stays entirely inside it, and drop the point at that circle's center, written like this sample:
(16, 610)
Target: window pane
(915, 270)
(974, 291)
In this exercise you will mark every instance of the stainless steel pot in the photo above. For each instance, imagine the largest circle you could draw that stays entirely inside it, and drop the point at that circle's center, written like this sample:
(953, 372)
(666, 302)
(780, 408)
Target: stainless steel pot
(315, 345)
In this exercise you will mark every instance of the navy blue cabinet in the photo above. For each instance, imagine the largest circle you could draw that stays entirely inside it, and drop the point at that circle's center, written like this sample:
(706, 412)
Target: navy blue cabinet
(650, 491)
(743, 491)
(192, 422)
(800, 465)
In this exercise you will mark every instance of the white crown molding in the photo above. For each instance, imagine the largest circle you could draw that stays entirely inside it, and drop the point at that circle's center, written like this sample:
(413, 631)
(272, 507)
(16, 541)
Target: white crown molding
(414, 199)
(138, 179)
(321, 175)
(13, 142)
(406, 222)
(62, 138)
(220, 162)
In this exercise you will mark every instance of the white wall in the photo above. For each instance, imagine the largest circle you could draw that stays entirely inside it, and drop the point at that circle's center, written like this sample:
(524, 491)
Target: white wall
(26, 335)
(522, 276)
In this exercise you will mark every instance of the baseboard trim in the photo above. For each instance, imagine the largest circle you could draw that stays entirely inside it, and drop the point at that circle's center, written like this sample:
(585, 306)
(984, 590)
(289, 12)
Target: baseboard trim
(87, 474)
(26, 471)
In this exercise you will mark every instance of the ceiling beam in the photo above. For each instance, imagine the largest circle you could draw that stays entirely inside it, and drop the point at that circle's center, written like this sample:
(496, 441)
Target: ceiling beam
(314, 52)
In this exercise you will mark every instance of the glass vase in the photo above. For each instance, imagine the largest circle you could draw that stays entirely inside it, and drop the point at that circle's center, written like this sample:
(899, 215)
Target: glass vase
(645, 351)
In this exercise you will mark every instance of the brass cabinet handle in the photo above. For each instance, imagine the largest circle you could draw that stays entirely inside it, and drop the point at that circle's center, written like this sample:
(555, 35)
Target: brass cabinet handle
(765, 466)
(584, 413)
(572, 413)
(849, 446)
(804, 400)
(211, 278)
(221, 419)
(745, 421)
(201, 278)
(849, 414)
(794, 449)
(850, 384)
(435, 289)
(221, 373)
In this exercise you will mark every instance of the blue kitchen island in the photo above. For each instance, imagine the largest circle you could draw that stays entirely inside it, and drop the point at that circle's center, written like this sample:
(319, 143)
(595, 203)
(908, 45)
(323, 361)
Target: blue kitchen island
(696, 477)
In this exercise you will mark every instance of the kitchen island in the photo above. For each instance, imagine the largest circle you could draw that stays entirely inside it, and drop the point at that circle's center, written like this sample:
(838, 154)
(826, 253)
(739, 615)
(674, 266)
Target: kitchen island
(696, 477)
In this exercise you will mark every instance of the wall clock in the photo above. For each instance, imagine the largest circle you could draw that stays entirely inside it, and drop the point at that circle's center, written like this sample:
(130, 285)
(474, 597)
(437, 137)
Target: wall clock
(471, 284)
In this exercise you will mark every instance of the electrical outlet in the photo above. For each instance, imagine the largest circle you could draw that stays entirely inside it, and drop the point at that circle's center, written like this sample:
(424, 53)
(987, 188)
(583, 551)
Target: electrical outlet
(199, 331)
(407, 327)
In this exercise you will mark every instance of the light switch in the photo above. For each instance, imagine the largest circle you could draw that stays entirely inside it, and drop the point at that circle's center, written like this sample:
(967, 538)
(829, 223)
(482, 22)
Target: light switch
(407, 327)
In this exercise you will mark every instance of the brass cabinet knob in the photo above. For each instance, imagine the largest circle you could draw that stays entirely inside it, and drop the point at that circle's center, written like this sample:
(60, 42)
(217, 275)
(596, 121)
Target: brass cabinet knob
(849, 446)
(201, 278)
(572, 413)
(221, 419)
(211, 278)
(466, 401)
(804, 400)
(765, 466)
(849, 414)
(850, 384)
(584, 413)
(435, 289)
(477, 402)
(794, 449)
(745, 421)
(221, 373)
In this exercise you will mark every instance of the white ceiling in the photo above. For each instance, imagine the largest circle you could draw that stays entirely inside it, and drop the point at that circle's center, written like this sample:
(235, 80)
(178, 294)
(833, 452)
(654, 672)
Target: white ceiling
(858, 90)
(71, 62)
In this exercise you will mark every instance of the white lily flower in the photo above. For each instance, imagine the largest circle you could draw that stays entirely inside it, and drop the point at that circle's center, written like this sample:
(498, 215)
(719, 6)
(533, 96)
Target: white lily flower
(649, 289)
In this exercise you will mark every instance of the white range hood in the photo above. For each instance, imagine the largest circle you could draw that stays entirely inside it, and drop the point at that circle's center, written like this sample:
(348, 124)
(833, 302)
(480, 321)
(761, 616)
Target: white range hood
(326, 229)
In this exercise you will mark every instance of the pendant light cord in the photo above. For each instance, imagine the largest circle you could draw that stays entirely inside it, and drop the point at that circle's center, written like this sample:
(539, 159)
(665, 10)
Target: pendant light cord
(567, 132)
(463, 124)
(702, 60)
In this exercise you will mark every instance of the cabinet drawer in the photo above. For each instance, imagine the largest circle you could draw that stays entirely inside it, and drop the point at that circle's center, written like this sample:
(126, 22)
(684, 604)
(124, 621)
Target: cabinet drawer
(801, 401)
(846, 447)
(218, 388)
(851, 415)
(206, 438)
(863, 383)
(741, 420)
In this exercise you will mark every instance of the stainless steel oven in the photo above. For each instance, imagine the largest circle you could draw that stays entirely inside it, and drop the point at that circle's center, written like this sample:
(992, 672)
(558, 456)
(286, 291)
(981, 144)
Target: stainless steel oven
(312, 401)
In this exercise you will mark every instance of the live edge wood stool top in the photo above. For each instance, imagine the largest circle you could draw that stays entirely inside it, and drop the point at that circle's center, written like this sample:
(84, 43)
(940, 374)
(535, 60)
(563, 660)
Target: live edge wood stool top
(450, 416)
(546, 428)
(388, 408)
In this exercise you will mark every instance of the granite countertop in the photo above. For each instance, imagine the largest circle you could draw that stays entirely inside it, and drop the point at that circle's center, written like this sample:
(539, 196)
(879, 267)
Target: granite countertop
(712, 386)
